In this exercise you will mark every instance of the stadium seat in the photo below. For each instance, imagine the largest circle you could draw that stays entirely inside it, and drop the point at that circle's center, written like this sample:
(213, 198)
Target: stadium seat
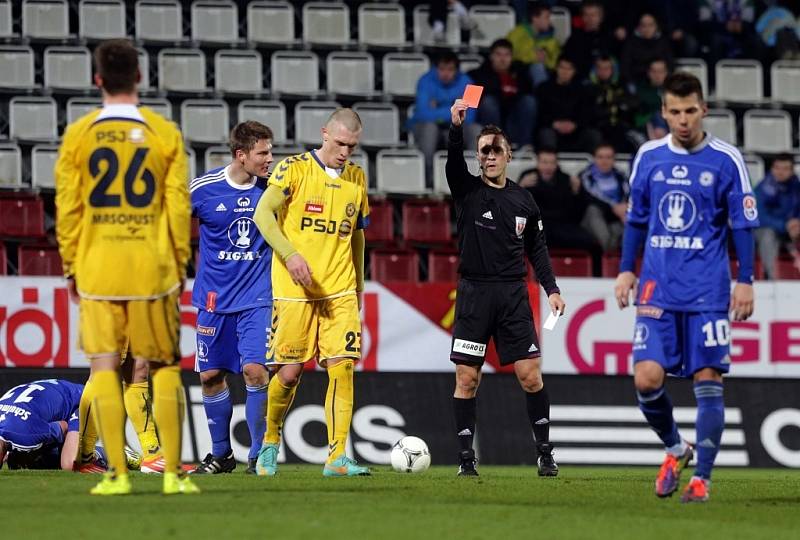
(38, 260)
(294, 72)
(381, 122)
(159, 21)
(493, 22)
(350, 73)
(610, 265)
(43, 161)
(191, 157)
(573, 162)
(21, 216)
(160, 105)
(17, 67)
(400, 171)
(182, 70)
(755, 168)
(785, 81)
(698, 68)
(561, 19)
(3, 260)
(721, 123)
(10, 166)
(522, 162)
(271, 22)
(215, 21)
(269, 113)
(326, 23)
(439, 177)
(68, 68)
(443, 266)
(567, 263)
(6, 20)
(45, 19)
(216, 156)
(426, 221)
(767, 130)
(381, 221)
(469, 61)
(144, 69)
(33, 118)
(205, 120)
(739, 80)
(361, 159)
(401, 71)
(784, 269)
(309, 117)
(101, 19)
(423, 33)
(387, 265)
(381, 24)
(238, 71)
(79, 106)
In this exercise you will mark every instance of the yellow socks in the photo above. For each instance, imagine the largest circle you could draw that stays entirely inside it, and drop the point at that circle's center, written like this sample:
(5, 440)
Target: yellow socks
(339, 407)
(87, 429)
(169, 406)
(279, 399)
(108, 412)
(138, 406)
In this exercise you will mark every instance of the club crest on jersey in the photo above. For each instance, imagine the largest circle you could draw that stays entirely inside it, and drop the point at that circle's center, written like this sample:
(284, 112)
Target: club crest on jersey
(677, 211)
(750, 208)
(520, 225)
(706, 178)
(239, 232)
(350, 210)
(680, 171)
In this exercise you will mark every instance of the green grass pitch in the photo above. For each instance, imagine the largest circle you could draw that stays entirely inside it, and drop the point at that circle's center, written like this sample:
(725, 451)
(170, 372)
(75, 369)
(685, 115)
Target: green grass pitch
(504, 502)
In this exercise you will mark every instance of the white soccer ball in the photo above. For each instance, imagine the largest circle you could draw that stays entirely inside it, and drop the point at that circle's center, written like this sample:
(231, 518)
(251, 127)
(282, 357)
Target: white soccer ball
(410, 455)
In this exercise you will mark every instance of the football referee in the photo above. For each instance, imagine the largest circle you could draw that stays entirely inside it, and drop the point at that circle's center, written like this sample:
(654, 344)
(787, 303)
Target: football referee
(498, 224)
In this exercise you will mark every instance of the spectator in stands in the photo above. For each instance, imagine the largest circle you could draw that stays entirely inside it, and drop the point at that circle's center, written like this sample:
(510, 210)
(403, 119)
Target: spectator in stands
(645, 45)
(778, 196)
(562, 202)
(648, 119)
(679, 23)
(607, 190)
(535, 43)
(727, 29)
(436, 91)
(507, 99)
(566, 111)
(779, 33)
(585, 43)
(613, 106)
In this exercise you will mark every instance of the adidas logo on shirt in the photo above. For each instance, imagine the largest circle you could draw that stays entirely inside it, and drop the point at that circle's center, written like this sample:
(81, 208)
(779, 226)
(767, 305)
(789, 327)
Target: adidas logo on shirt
(221, 208)
(488, 214)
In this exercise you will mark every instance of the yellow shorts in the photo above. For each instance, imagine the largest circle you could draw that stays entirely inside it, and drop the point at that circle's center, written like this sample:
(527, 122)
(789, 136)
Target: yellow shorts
(324, 329)
(149, 328)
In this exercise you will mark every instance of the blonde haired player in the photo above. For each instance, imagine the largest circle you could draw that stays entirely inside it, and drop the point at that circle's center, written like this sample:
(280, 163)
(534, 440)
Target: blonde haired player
(320, 199)
(123, 222)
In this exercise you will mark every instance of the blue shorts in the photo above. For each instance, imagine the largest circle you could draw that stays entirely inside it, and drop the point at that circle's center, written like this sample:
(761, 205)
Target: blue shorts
(683, 342)
(230, 340)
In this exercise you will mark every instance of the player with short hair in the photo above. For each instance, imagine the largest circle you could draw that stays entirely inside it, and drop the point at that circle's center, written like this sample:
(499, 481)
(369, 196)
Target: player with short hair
(320, 199)
(499, 224)
(685, 189)
(233, 292)
(123, 228)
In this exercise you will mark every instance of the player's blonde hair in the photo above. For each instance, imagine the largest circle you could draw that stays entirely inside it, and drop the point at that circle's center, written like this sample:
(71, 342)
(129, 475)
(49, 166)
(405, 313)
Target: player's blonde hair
(347, 118)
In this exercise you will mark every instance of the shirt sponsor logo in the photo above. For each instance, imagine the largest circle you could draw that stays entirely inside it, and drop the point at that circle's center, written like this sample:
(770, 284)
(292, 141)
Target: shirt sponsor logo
(520, 222)
(243, 201)
(469, 347)
(677, 210)
(676, 242)
(206, 330)
(651, 312)
(314, 208)
(750, 209)
(680, 171)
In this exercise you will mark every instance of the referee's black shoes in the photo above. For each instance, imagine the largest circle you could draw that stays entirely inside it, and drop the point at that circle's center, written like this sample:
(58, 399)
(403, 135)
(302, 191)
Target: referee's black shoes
(547, 465)
(467, 463)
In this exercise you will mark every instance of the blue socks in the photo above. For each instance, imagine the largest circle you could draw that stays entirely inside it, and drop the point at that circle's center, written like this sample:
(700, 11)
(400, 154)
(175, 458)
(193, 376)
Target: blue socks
(710, 423)
(657, 408)
(255, 411)
(219, 410)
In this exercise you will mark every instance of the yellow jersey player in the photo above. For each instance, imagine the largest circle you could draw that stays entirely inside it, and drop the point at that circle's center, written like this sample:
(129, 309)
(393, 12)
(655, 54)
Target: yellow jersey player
(320, 200)
(123, 227)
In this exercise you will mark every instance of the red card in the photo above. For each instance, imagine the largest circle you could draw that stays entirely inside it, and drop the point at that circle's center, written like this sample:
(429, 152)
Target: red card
(472, 95)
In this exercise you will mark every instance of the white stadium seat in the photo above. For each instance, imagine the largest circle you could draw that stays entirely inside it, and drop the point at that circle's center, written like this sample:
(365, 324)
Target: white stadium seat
(294, 72)
(238, 71)
(269, 113)
(381, 122)
(721, 123)
(382, 24)
(182, 70)
(767, 130)
(401, 71)
(43, 161)
(68, 68)
(45, 19)
(400, 171)
(350, 73)
(101, 19)
(159, 21)
(270, 22)
(739, 80)
(309, 117)
(785, 81)
(205, 120)
(326, 23)
(215, 21)
(10, 165)
(423, 33)
(493, 22)
(17, 66)
(33, 118)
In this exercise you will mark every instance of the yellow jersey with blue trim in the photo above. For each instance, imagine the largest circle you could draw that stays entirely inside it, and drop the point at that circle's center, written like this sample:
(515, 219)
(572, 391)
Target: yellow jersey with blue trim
(122, 204)
(323, 207)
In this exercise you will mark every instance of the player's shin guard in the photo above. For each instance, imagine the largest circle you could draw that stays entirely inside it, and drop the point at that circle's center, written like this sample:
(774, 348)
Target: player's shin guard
(108, 410)
(710, 423)
(657, 409)
(255, 411)
(279, 400)
(538, 405)
(339, 407)
(88, 428)
(138, 406)
(169, 406)
(219, 411)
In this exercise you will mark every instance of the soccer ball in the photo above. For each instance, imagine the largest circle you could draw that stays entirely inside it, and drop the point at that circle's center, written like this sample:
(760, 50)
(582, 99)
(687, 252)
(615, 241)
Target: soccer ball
(411, 455)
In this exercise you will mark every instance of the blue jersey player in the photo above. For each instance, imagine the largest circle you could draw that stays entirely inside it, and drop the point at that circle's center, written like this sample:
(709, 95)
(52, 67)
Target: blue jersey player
(687, 190)
(39, 424)
(233, 292)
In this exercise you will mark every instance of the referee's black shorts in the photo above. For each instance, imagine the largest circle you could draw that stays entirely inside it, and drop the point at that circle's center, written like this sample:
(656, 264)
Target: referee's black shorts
(496, 309)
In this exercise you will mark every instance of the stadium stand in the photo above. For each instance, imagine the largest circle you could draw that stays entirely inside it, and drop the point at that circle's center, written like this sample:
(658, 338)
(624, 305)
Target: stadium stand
(443, 265)
(394, 265)
(38, 260)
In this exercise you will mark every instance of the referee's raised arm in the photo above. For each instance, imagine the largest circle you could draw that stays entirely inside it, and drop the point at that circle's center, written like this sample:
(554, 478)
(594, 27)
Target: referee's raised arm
(458, 176)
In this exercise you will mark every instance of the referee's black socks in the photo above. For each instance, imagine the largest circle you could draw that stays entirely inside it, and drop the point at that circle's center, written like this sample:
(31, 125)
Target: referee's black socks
(538, 404)
(464, 410)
